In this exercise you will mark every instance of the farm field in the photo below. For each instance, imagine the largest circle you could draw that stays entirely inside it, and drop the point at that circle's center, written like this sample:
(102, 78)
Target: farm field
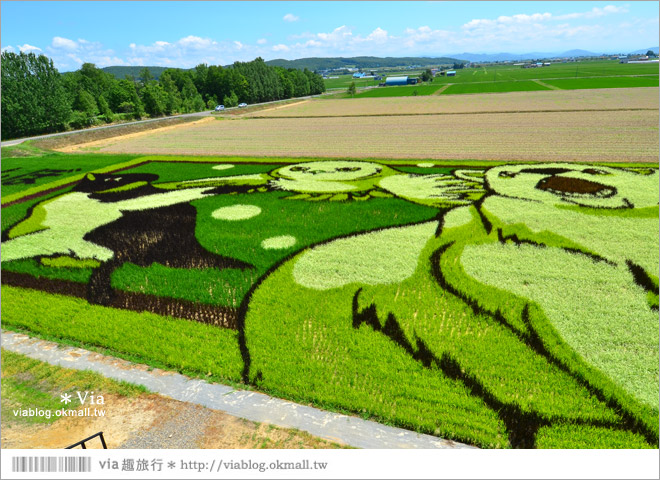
(587, 100)
(565, 136)
(500, 304)
(606, 82)
(574, 70)
(508, 78)
(403, 91)
(494, 87)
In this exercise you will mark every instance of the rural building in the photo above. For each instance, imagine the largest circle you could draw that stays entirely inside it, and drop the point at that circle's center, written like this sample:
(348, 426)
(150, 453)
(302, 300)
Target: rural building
(396, 81)
(400, 81)
(451, 73)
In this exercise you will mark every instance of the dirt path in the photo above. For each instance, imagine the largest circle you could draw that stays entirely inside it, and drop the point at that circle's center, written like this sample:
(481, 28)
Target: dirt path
(442, 89)
(543, 84)
(249, 405)
(108, 141)
(153, 421)
(280, 107)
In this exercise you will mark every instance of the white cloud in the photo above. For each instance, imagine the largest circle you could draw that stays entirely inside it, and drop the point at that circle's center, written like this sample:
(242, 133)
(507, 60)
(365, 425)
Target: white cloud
(595, 12)
(194, 42)
(8, 48)
(64, 43)
(378, 35)
(280, 48)
(262, 41)
(290, 17)
(28, 48)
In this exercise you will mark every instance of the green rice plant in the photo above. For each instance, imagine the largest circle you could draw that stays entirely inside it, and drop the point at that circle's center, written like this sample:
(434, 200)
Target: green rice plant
(493, 87)
(29, 383)
(62, 270)
(587, 436)
(169, 171)
(565, 325)
(26, 176)
(355, 327)
(402, 91)
(307, 222)
(182, 345)
(607, 82)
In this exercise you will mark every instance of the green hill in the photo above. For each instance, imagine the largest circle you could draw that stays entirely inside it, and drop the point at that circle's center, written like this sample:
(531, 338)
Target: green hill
(318, 63)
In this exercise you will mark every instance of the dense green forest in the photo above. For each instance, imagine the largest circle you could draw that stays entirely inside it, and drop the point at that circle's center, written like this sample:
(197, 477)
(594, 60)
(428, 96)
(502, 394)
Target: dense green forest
(36, 98)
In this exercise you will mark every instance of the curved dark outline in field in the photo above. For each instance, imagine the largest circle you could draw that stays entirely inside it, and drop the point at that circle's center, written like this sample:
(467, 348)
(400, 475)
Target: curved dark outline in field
(533, 339)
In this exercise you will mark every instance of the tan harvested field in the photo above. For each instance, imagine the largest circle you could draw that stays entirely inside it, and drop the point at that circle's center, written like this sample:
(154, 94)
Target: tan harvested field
(553, 100)
(553, 136)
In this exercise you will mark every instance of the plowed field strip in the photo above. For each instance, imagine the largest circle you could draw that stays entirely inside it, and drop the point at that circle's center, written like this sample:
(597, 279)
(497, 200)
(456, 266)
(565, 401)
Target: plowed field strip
(547, 100)
(458, 113)
(550, 136)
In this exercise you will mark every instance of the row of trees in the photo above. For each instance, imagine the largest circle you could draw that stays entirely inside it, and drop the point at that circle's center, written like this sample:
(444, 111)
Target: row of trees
(36, 98)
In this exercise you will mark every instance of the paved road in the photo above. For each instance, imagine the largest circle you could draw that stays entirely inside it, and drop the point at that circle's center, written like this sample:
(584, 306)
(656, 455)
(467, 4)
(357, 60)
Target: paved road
(17, 141)
(253, 406)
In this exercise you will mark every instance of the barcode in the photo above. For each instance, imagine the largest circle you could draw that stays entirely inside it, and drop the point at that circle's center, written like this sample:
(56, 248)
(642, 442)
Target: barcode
(51, 464)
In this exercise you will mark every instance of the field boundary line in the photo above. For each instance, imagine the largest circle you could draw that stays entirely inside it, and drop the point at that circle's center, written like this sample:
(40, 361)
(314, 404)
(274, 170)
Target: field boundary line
(254, 406)
(442, 89)
(483, 112)
(543, 84)
(81, 146)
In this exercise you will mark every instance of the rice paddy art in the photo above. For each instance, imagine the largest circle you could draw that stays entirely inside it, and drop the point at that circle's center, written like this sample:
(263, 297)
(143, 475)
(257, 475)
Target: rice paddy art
(508, 305)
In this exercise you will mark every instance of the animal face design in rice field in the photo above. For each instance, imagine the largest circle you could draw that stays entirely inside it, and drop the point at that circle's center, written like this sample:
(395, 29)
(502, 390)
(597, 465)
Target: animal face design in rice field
(559, 262)
(113, 219)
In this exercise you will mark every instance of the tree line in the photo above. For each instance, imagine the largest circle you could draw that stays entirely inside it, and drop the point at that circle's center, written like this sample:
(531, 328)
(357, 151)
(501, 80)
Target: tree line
(37, 99)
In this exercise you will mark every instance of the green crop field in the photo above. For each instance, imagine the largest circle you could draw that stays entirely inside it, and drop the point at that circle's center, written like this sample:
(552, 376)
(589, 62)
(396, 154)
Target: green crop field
(501, 304)
(604, 82)
(494, 87)
(510, 78)
(402, 91)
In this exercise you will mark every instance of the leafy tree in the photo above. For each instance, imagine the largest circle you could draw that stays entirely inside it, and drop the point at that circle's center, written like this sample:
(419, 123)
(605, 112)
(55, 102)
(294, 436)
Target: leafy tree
(104, 108)
(121, 93)
(650, 53)
(230, 100)
(351, 89)
(145, 76)
(154, 99)
(33, 96)
(172, 95)
(427, 75)
(86, 104)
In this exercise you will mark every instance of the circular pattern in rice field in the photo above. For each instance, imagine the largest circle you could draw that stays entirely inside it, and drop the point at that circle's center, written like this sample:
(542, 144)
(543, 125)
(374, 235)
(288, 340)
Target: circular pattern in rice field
(236, 212)
(278, 243)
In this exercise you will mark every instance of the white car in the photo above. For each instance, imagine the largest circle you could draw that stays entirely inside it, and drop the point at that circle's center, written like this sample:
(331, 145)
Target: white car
(242, 105)
(219, 108)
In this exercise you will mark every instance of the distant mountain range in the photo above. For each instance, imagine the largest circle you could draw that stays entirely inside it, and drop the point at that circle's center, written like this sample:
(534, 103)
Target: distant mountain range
(503, 57)
(321, 63)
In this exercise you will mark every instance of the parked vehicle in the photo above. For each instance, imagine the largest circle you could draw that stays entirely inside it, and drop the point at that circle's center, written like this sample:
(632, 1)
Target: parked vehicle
(242, 105)
(219, 108)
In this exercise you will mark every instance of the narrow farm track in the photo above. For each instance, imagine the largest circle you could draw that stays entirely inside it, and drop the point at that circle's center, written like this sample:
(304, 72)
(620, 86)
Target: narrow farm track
(543, 84)
(253, 406)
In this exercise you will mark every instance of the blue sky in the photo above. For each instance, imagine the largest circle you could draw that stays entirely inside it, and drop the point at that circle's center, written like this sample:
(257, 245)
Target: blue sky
(183, 34)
